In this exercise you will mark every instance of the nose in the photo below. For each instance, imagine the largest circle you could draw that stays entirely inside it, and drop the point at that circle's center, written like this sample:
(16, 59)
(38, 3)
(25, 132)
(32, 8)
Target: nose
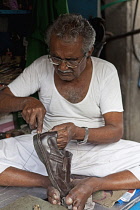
(63, 66)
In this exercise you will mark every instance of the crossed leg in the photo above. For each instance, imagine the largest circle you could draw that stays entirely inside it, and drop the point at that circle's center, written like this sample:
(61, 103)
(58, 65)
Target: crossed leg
(84, 188)
(77, 197)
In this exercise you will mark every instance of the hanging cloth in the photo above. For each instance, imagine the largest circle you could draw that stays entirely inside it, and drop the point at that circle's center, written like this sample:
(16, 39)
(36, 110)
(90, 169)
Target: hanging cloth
(43, 14)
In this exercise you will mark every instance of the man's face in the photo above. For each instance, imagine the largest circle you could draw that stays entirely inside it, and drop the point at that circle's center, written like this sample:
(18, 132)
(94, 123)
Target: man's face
(70, 53)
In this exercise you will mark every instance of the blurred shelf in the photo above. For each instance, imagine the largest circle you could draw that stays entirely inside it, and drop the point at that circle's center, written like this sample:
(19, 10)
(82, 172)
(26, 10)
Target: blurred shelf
(14, 12)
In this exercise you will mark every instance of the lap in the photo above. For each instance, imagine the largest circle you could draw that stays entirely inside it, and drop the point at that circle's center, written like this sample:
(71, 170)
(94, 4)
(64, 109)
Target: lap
(19, 152)
(89, 160)
(101, 160)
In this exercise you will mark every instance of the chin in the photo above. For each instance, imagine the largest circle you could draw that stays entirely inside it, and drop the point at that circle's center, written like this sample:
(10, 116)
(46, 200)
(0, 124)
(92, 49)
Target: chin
(68, 79)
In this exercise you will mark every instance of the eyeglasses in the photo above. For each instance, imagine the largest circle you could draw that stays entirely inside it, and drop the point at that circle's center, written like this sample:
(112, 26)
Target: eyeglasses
(69, 62)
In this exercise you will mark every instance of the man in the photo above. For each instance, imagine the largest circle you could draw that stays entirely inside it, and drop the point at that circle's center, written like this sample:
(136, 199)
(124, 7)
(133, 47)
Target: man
(80, 98)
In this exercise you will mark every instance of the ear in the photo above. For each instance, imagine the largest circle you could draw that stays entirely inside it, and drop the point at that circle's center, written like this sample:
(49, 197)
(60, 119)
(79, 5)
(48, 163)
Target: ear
(89, 53)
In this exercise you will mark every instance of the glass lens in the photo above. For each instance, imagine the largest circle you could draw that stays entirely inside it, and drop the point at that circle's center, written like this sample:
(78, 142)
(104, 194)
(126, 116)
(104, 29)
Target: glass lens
(69, 63)
(72, 63)
(58, 61)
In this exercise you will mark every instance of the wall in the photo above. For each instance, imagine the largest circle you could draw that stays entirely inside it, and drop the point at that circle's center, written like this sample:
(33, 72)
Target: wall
(119, 20)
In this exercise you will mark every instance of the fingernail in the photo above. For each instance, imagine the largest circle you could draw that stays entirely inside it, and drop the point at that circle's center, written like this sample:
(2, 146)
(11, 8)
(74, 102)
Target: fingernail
(55, 196)
(54, 202)
(69, 200)
(38, 132)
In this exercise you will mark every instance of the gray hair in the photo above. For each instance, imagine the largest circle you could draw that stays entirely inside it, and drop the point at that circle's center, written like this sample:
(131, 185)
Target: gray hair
(69, 27)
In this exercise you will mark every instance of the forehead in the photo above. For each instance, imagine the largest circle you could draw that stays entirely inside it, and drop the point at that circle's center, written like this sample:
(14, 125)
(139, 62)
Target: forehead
(62, 47)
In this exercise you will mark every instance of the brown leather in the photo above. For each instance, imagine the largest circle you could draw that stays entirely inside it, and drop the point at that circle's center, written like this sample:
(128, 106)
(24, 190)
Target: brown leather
(57, 162)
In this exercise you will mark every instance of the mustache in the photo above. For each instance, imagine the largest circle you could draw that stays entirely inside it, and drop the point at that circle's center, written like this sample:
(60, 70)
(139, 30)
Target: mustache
(66, 71)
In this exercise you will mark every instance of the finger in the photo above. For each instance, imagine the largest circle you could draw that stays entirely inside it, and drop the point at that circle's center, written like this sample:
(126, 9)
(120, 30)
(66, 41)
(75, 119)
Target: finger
(32, 120)
(25, 116)
(61, 144)
(78, 206)
(69, 200)
(54, 193)
(30, 116)
(40, 118)
(76, 203)
(53, 201)
(75, 200)
(39, 126)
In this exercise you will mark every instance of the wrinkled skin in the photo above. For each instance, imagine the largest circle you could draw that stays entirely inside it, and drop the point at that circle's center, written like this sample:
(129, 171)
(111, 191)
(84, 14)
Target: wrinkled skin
(84, 188)
(77, 197)
(34, 113)
(66, 132)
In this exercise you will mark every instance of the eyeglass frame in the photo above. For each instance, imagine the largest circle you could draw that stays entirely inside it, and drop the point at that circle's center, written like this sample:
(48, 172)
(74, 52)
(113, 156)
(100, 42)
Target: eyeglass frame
(64, 60)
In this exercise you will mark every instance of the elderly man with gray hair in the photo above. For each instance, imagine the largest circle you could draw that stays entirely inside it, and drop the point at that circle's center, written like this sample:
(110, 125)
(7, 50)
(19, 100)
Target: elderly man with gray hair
(80, 99)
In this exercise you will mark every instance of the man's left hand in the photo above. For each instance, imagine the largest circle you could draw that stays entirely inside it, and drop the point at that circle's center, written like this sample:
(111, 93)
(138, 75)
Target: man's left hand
(66, 132)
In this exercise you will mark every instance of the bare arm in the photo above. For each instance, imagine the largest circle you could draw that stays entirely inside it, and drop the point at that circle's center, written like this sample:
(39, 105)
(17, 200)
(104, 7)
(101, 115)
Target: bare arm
(84, 188)
(111, 132)
(124, 180)
(33, 111)
(9, 102)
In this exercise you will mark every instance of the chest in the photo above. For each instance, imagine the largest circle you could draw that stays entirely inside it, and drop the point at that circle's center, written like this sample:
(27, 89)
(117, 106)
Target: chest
(74, 91)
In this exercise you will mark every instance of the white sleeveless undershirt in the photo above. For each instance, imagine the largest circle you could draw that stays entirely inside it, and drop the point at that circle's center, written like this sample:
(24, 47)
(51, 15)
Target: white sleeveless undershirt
(103, 96)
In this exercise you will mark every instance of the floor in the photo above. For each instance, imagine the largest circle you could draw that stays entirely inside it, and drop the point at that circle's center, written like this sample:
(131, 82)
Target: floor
(9, 194)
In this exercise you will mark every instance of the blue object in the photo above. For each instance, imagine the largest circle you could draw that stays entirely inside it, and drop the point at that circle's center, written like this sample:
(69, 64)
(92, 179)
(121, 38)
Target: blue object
(85, 8)
(135, 207)
(137, 193)
(11, 12)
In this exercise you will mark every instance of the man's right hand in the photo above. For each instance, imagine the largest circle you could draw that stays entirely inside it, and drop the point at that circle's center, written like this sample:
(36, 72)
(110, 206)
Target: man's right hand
(33, 113)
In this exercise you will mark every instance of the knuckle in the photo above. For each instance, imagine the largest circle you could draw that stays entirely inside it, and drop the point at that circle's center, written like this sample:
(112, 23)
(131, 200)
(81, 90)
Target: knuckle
(28, 111)
(33, 110)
